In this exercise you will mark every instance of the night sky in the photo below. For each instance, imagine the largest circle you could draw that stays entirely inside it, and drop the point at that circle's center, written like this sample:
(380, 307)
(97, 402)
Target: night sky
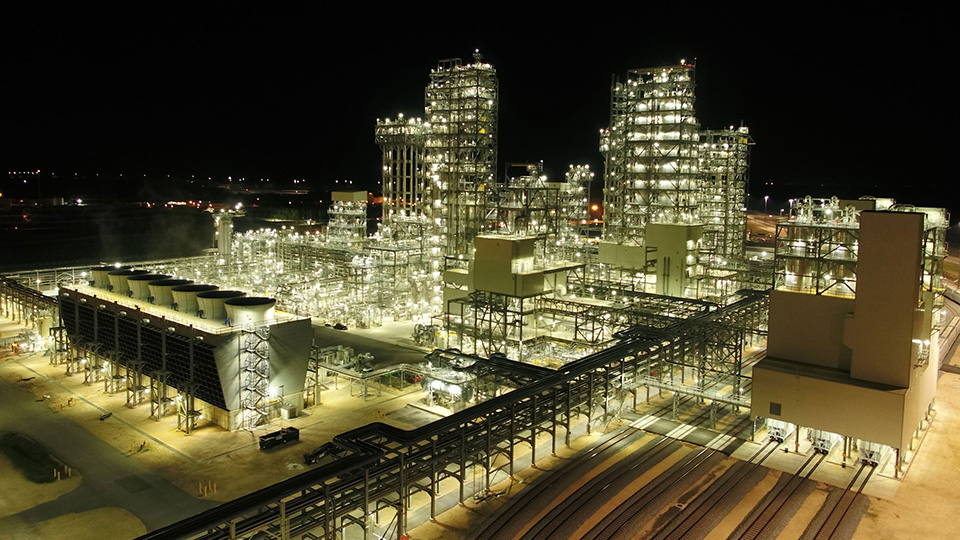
(839, 102)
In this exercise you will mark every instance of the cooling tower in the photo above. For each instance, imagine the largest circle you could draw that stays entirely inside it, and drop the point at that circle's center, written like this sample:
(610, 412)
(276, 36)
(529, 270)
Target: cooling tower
(185, 296)
(118, 280)
(249, 309)
(101, 275)
(162, 290)
(139, 285)
(211, 303)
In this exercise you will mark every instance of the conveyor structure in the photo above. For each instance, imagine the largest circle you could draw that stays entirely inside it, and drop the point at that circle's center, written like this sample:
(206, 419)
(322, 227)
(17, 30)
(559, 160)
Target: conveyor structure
(378, 466)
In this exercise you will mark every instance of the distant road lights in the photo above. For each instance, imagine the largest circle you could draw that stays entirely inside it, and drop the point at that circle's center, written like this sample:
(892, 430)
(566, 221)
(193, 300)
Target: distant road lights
(765, 199)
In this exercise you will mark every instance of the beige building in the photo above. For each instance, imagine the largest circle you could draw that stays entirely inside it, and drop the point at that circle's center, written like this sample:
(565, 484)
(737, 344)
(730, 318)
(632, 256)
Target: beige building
(852, 347)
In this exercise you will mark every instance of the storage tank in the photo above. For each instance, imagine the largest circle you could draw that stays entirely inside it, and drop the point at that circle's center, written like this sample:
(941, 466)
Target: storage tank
(211, 303)
(140, 285)
(118, 280)
(101, 275)
(250, 309)
(185, 296)
(162, 290)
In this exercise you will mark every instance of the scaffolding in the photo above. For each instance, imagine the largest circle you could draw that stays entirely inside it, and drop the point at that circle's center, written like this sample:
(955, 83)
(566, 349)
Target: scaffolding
(401, 142)
(461, 105)
(651, 153)
(725, 167)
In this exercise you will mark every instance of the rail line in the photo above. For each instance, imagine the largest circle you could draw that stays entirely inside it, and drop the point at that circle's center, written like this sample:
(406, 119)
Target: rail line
(655, 492)
(830, 525)
(511, 522)
(508, 521)
(683, 522)
(761, 522)
(563, 520)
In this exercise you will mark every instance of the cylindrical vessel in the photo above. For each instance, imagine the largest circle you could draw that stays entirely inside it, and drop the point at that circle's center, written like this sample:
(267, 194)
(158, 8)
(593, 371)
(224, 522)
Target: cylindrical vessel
(250, 309)
(162, 290)
(118, 280)
(185, 296)
(101, 275)
(211, 303)
(140, 285)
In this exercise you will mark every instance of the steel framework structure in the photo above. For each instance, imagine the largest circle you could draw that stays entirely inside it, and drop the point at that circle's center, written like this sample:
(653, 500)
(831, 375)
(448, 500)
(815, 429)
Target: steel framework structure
(725, 167)
(379, 467)
(401, 142)
(461, 105)
(816, 248)
(651, 153)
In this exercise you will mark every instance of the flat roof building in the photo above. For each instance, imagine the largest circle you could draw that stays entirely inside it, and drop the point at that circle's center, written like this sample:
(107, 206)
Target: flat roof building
(852, 325)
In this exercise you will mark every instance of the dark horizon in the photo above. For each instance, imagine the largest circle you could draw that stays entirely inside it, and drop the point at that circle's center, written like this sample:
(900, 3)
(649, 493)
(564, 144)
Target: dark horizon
(242, 93)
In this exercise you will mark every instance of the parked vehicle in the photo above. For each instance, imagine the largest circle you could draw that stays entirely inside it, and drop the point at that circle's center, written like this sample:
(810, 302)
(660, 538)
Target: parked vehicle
(277, 438)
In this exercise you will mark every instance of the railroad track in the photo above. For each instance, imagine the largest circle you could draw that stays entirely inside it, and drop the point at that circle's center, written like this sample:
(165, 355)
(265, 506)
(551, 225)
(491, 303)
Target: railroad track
(685, 521)
(565, 518)
(655, 494)
(762, 522)
(839, 511)
(512, 520)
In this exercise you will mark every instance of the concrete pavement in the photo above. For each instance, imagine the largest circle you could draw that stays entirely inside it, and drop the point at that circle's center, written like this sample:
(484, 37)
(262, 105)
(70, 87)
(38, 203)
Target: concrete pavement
(109, 478)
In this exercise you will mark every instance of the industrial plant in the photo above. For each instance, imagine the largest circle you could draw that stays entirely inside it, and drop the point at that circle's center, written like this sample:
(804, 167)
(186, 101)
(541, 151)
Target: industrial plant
(534, 319)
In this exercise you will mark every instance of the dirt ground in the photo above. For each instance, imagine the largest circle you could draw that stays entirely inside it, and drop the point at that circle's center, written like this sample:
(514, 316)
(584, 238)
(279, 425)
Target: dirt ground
(215, 464)
(83, 526)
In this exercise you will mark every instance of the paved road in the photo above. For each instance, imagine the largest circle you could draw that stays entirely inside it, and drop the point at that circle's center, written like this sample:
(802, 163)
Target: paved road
(109, 478)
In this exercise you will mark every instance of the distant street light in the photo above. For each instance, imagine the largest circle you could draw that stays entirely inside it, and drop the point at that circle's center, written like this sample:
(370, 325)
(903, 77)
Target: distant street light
(765, 199)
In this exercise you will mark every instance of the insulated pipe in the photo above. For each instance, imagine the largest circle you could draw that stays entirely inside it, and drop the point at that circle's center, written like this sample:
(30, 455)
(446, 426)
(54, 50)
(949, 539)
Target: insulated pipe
(139, 285)
(162, 290)
(211, 303)
(185, 296)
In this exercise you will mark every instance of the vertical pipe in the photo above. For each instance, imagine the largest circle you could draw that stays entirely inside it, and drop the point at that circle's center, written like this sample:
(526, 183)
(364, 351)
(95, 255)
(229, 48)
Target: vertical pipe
(569, 421)
(533, 432)
(589, 400)
(487, 457)
(553, 424)
(328, 523)
(434, 484)
(366, 496)
(463, 458)
(513, 433)
(284, 522)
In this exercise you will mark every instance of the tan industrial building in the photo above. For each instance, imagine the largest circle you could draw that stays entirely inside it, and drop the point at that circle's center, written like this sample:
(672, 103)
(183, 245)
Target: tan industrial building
(852, 326)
